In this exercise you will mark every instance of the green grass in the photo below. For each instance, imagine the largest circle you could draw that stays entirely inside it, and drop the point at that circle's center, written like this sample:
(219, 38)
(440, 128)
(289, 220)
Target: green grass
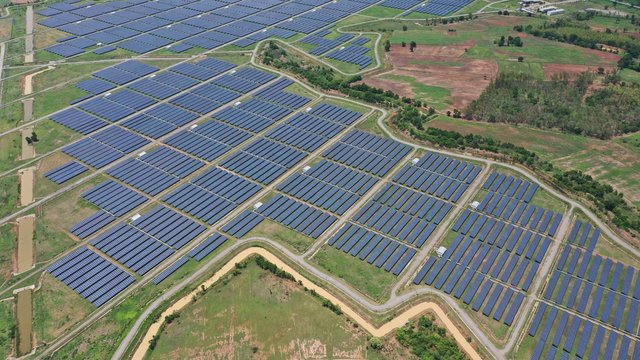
(370, 124)
(56, 308)
(9, 194)
(436, 97)
(292, 239)
(526, 67)
(10, 147)
(10, 115)
(8, 238)
(548, 144)
(368, 279)
(52, 136)
(630, 76)
(55, 99)
(548, 201)
(243, 314)
(381, 12)
(7, 328)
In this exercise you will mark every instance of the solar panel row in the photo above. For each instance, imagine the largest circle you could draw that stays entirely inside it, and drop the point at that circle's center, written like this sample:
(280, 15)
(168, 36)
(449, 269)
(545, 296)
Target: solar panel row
(296, 215)
(91, 275)
(373, 248)
(569, 334)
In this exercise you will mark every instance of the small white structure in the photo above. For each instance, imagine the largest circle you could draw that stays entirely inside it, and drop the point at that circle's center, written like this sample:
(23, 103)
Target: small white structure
(135, 217)
(194, 126)
(415, 161)
(142, 154)
(545, 9)
(237, 103)
(441, 250)
(257, 205)
(306, 168)
(555, 12)
(475, 204)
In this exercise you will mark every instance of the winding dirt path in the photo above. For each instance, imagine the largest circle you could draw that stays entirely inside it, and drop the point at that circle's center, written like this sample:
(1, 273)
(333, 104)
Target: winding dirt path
(385, 329)
(27, 88)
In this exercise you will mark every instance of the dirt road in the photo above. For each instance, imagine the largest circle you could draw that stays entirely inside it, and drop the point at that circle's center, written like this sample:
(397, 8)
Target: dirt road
(28, 39)
(395, 323)
(27, 181)
(25, 243)
(27, 88)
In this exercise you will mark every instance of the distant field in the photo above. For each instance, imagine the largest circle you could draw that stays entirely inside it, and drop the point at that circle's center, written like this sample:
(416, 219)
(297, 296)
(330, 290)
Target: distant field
(454, 63)
(257, 314)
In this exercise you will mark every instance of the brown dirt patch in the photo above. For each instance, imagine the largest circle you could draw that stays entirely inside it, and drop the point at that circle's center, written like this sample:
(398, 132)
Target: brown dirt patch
(26, 225)
(466, 79)
(572, 69)
(27, 181)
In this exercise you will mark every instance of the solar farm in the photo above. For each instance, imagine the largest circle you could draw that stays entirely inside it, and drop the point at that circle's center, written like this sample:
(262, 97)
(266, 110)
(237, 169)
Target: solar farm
(177, 148)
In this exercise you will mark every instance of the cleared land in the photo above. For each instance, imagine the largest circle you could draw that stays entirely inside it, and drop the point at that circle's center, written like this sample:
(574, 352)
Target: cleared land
(452, 64)
(25, 243)
(237, 320)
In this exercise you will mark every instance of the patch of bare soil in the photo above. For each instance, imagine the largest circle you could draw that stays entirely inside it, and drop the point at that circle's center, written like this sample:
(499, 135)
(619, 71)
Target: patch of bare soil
(572, 69)
(465, 78)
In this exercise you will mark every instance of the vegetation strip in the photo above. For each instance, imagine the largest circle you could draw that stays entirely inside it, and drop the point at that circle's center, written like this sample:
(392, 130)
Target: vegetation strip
(383, 330)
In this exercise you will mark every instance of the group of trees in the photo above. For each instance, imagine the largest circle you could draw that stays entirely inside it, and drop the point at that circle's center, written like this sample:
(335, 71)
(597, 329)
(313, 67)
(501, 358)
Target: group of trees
(563, 103)
(509, 41)
(427, 340)
(573, 32)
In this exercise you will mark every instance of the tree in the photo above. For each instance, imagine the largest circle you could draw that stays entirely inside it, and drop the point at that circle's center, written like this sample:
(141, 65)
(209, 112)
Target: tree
(517, 41)
(412, 46)
(387, 46)
(404, 28)
(34, 137)
(404, 44)
(501, 42)
(29, 141)
(520, 58)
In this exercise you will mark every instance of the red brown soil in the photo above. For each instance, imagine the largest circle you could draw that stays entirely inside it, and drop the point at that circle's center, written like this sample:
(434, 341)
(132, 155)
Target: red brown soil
(571, 69)
(465, 82)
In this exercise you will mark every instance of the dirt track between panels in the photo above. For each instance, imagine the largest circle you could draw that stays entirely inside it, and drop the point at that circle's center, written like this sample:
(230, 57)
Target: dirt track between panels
(25, 243)
(27, 182)
(385, 329)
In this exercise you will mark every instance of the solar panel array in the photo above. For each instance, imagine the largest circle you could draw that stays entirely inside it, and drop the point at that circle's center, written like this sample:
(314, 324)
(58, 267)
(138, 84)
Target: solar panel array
(389, 255)
(353, 54)
(441, 176)
(494, 258)
(146, 241)
(465, 272)
(91, 275)
(561, 333)
(441, 7)
(584, 235)
(144, 26)
(599, 288)
(297, 215)
(400, 4)
(65, 172)
(403, 214)
(329, 186)
(367, 152)
(322, 44)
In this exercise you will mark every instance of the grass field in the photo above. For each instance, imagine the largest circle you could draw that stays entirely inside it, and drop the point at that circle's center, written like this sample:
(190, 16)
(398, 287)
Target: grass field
(368, 279)
(237, 320)
(8, 238)
(51, 318)
(7, 328)
(436, 97)
(381, 12)
(370, 124)
(292, 239)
